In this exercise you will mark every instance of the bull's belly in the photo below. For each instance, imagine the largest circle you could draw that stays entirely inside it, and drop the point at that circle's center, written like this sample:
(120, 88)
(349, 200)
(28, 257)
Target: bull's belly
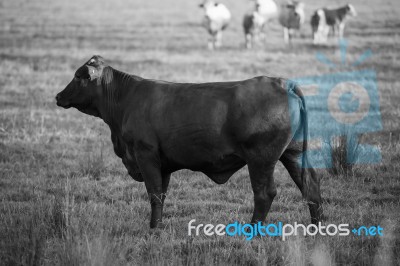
(218, 169)
(223, 169)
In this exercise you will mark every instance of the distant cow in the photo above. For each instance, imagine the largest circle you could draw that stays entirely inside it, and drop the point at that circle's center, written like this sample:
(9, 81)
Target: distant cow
(325, 19)
(216, 19)
(253, 25)
(291, 17)
(260, 14)
(160, 127)
(266, 8)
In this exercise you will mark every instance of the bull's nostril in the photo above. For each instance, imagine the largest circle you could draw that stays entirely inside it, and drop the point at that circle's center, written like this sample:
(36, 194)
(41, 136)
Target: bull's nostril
(57, 97)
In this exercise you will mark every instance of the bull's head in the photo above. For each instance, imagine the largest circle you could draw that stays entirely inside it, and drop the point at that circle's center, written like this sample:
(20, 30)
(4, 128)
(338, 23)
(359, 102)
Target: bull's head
(82, 92)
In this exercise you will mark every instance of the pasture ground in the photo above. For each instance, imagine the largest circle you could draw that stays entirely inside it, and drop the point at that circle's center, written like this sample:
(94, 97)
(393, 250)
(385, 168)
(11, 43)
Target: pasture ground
(66, 199)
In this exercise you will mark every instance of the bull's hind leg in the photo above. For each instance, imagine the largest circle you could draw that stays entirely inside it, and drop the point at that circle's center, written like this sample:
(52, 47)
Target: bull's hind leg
(264, 189)
(306, 180)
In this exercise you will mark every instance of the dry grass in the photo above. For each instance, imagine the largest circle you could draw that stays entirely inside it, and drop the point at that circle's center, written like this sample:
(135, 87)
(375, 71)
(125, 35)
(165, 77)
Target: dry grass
(65, 198)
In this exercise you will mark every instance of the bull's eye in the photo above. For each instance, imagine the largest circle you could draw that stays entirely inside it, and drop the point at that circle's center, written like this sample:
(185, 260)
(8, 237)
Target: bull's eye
(89, 78)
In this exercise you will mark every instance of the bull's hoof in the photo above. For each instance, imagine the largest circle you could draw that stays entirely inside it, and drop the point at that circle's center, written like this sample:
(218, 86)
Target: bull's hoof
(158, 230)
(158, 225)
(321, 218)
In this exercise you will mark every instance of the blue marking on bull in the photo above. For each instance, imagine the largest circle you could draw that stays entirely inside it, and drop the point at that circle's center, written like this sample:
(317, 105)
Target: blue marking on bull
(340, 104)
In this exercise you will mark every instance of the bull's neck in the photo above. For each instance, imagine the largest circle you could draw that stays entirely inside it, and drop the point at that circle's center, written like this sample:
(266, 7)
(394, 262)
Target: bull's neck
(115, 87)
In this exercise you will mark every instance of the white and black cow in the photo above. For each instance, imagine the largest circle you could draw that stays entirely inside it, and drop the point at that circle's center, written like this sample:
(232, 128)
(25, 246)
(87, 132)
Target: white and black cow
(325, 19)
(291, 17)
(260, 14)
(216, 19)
(253, 24)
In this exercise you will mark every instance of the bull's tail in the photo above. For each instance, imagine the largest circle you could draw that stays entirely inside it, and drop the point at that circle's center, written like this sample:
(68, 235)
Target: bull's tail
(300, 134)
(310, 179)
(300, 128)
(304, 124)
(304, 175)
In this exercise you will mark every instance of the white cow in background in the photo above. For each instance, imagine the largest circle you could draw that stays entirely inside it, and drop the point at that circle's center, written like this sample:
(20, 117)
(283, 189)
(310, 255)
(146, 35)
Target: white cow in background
(266, 8)
(216, 19)
(261, 12)
(291, 17)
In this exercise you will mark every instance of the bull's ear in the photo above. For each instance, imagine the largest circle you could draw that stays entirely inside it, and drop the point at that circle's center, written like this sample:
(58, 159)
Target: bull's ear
(96, 61)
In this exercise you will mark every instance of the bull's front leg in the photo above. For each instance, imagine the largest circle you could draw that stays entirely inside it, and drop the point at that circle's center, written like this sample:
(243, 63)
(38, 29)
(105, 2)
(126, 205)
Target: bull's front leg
(150, 166)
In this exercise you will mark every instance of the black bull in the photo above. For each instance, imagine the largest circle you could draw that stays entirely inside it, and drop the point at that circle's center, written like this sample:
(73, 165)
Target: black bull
(216, 128)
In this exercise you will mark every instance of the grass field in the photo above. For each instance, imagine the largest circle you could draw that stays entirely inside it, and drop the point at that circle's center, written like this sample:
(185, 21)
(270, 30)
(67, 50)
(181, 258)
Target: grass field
(66, 199)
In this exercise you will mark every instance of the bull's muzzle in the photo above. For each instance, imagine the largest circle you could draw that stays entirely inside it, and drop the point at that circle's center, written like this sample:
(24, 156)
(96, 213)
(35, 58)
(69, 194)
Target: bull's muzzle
(61, 103)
